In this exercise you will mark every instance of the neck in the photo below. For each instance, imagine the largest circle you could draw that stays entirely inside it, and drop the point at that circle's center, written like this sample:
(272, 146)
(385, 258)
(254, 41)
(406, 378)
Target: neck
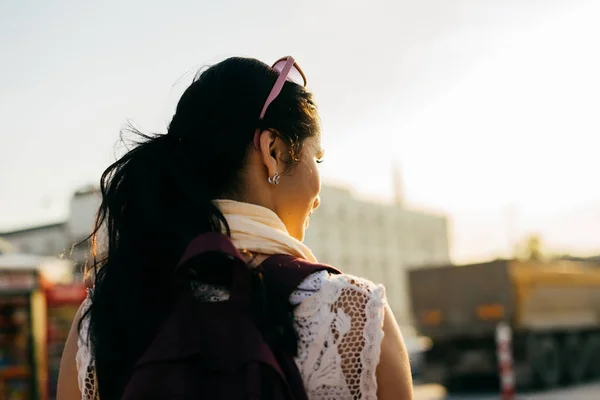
(259, 230)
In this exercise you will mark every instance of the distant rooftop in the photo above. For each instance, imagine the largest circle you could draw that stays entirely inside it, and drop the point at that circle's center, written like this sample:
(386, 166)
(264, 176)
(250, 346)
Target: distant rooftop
(34, 228)
(594, 259)
(84, 191)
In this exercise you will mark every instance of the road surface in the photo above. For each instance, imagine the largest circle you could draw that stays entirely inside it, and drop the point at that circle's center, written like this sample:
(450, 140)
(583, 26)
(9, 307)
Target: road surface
(584, 392)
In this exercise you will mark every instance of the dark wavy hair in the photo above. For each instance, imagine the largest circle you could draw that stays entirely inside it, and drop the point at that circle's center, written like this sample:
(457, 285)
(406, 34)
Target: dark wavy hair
(158, 197)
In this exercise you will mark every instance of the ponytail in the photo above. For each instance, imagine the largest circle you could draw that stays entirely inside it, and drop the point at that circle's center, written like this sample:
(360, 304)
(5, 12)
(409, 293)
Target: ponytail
(132, 292)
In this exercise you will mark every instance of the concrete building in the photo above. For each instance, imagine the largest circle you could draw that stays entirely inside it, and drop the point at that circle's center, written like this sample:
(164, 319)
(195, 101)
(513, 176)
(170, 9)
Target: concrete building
(82, 213)
(80, 224)
(377, 241)
(45, 240)
(63, 238)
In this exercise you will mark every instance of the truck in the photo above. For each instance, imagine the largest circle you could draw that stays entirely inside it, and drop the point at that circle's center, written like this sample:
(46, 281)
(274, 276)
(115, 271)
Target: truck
(552, 308)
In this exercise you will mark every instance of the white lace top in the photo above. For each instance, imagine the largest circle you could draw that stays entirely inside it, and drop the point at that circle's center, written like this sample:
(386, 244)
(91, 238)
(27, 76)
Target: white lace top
(339, 319)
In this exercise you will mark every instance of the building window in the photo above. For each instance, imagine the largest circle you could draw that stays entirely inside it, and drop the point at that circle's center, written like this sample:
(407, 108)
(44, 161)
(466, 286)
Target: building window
(50, 247)
(322, 210)
(428, 247)
(380, 220)
(322, 235)
(383, 237)
(367, 264)
(345, 263)
(342, 212)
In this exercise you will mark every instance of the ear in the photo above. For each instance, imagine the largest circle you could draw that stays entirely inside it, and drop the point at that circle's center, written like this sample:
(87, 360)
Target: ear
(271, 151)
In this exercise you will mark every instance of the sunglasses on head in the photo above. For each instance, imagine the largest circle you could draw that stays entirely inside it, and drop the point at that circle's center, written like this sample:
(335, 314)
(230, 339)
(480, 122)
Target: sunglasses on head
(288, 69)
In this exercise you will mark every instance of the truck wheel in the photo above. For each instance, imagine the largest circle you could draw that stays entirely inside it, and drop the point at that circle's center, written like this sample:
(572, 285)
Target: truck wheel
(575, 359)
(591, 350)
(545, 359)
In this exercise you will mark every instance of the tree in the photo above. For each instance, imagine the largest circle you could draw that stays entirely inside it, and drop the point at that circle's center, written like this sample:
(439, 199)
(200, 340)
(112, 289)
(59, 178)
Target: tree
(530, 248)
(534, 247)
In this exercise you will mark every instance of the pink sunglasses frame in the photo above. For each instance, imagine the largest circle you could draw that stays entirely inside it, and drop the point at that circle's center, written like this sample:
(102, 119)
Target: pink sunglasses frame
(284, 74)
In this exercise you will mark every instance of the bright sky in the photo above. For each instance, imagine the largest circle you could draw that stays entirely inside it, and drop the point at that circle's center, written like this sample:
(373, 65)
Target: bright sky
(487, 106)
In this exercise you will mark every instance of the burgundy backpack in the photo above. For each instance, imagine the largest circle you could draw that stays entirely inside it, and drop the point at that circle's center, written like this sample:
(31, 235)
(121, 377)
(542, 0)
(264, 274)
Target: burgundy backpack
(242, 348)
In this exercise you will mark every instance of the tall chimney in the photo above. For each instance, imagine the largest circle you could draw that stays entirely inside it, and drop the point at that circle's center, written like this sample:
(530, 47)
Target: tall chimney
(398, 184)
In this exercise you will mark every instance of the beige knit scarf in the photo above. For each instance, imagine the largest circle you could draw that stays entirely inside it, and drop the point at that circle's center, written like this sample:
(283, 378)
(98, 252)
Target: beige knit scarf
(259, 230)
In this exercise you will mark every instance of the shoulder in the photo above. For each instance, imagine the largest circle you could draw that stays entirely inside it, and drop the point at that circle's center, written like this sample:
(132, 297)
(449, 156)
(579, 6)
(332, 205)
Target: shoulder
(324, 287)
(354, 293)
(356, 283)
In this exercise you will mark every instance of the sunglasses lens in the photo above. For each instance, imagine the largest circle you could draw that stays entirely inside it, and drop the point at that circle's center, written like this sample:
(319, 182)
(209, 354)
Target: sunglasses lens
(294, 75)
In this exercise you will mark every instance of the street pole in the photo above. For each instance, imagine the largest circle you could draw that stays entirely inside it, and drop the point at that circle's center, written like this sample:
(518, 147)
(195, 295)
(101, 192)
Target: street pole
(505, 361)
(510, 216)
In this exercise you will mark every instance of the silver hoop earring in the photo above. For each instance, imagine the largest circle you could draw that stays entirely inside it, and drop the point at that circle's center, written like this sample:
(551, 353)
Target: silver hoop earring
(274, 180)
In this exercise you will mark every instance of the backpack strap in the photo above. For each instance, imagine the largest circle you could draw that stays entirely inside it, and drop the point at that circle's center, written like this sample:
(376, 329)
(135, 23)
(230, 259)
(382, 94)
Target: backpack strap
(210, 242)
(218, 243)
(285, 273)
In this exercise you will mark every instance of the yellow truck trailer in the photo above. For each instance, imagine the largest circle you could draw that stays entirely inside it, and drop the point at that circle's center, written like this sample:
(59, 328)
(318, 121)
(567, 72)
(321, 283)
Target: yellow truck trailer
(553, 309)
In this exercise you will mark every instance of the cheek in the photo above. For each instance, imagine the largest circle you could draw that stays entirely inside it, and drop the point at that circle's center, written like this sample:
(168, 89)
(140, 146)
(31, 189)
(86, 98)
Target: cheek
(313, 180)
(317, 182)
(302, 189)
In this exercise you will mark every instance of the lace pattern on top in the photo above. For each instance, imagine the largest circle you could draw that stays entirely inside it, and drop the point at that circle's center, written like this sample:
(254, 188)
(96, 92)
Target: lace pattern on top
(339, 320)
(85, 365)
(340, 331)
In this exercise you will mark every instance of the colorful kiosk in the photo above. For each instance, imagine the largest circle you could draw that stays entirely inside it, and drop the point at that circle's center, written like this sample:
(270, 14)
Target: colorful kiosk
(62, 303)
(32, 320)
